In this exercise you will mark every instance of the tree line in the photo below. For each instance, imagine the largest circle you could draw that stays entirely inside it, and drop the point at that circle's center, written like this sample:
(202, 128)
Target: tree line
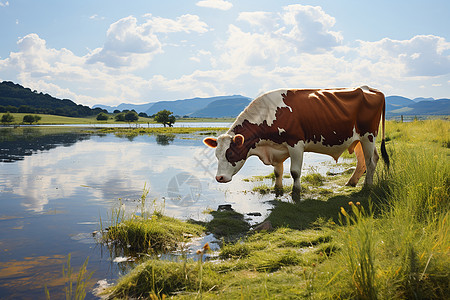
(15, 98)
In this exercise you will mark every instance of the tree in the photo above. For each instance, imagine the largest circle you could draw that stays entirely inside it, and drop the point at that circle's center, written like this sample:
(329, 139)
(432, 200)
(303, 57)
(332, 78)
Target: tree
(31, 119)
(165, 117)
(131, 116)
(7, 118)
(120, 117)
(102, 117)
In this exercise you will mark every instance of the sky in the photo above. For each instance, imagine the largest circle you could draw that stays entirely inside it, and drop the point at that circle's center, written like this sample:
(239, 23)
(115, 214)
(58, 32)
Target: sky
(111, 52)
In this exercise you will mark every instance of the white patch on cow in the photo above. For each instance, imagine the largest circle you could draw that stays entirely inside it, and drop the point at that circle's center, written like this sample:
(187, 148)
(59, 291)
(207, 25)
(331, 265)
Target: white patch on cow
(281, 130)
(263, 108)
(224, 167)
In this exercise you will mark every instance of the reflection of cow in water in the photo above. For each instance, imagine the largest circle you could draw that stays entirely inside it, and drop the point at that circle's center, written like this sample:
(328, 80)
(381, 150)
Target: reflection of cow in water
(287, 123)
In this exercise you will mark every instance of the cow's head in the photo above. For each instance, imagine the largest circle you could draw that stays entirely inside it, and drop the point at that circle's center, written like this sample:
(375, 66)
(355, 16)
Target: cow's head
(229, 153)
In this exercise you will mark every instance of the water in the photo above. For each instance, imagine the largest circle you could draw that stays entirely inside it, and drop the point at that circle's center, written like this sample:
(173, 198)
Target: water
(57, 183)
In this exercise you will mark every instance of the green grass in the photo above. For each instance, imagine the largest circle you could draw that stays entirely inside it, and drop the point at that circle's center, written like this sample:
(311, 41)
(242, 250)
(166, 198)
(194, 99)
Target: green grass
(54, 119)
(388, 241)
(163, 130)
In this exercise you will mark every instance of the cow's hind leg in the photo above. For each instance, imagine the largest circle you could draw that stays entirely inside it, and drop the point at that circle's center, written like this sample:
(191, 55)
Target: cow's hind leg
(278, 171)
(360, 164)
(371, 158)
(296, 154)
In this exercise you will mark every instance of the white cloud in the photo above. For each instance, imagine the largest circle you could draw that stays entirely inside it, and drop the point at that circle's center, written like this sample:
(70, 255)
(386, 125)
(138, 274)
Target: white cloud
(132, 45)
(96, 17)
(127, 44)
(185, 23)
(263, 19)
(422, 55)
(217, 4)
(297, 29)
(4, 4)
(311, 28)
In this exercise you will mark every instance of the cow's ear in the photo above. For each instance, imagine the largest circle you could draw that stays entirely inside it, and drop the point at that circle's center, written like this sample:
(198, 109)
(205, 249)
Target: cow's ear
(238, 139)
(210, 142)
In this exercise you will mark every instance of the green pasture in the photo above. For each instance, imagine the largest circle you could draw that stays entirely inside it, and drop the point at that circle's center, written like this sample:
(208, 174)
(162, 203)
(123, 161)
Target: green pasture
(54, 119)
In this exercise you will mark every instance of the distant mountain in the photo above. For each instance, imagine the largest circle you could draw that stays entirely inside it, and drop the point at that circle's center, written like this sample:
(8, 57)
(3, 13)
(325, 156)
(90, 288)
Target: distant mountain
(223, 108)
(397, 105)
(397, 102)
(190, 106)
(16, 98)
(125, 106)
(419, 99)
(434, 107)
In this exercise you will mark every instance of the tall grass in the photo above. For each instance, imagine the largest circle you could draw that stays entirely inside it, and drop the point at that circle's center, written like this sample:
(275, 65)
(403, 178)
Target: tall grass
(146, 230)
(403, 251)
(74, 290)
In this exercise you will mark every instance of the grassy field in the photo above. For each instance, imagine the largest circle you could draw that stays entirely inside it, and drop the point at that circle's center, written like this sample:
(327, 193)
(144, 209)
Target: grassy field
(388, 241)
(53, 119)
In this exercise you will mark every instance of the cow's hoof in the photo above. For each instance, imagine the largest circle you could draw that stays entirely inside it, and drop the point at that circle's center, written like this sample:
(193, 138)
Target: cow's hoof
(295, 195)
(278, 191)
(350, 184)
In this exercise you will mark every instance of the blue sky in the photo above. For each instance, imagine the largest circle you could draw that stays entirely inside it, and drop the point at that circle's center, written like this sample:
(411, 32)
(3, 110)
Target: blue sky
(109, 52)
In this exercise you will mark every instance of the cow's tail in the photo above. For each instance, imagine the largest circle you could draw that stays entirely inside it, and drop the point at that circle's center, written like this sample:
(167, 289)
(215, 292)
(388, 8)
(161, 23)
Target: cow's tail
(384, 153)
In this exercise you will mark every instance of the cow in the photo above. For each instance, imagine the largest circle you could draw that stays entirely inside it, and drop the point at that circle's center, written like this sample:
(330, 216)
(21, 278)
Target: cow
(288, 122)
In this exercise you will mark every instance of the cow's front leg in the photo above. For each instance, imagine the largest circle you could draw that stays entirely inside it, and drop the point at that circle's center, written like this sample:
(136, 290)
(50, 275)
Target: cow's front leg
(278, 171)
(296, 154)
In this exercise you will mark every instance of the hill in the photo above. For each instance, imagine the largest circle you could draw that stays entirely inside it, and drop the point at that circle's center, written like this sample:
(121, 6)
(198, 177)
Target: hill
(196, 106)
(397, 105)
(16, 98)
(223, 108)
(125, 106)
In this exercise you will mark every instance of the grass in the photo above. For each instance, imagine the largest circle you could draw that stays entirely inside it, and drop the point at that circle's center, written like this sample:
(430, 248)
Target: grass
(388, 241)
(163, 130)
(54, 119)
(147, 231)
(74, 289)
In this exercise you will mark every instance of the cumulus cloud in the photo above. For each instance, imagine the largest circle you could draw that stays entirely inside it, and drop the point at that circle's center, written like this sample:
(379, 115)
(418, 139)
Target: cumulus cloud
(217, 4)
(310, 28)
(422, 55)
(132, 45)
(127, 44)
(274, 36)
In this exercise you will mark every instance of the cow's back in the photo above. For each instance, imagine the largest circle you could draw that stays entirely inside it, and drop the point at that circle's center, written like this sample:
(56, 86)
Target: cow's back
(328, 116)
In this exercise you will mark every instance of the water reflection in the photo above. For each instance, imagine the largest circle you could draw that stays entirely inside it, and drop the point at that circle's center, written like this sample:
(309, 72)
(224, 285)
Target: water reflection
(57, 187)
(16, 143)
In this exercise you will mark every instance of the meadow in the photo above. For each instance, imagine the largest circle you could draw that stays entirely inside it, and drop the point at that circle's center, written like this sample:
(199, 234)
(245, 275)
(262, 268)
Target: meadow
(388, 241)
(57, 120)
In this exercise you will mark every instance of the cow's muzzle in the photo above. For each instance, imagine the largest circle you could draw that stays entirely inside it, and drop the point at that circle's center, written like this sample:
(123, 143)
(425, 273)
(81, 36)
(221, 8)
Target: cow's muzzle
(222, 179)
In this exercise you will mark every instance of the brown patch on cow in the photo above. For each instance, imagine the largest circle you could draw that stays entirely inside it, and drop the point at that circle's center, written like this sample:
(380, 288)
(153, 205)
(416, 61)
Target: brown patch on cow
(326, 116)
(370, 137)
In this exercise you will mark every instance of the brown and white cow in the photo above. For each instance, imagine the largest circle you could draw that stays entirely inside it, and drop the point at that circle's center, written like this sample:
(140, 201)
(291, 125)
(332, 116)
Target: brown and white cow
(287, 123)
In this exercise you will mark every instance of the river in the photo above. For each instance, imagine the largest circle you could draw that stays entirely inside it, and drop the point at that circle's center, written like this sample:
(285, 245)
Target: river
(58, 184)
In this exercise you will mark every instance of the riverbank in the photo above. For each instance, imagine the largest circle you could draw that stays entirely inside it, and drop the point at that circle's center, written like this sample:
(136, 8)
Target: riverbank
(61, 120)
(388, 241)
